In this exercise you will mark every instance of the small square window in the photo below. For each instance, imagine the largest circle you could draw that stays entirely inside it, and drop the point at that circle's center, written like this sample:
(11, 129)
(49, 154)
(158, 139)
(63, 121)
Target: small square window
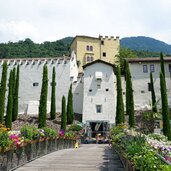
(98, 108)
(142, 91)
(107, 89)
(104, 54)
(90, 90)
(98, 86)
(35, 84)
(145, 68)
(102, 42)
(152, 69)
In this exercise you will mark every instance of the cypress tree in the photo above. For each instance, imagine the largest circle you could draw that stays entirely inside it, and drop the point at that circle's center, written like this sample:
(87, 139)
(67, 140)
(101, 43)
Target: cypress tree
(70, 112)
(119, 105)
(8, 119)
(153, 96)
(3, 91)
(162, 64)
(165, 109)
(43, 99)
(15, 95)
(129, 97)
(53, 101)
(63, 114)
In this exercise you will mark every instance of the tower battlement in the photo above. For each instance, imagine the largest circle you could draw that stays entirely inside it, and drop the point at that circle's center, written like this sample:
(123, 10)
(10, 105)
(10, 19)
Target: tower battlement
(108, 38)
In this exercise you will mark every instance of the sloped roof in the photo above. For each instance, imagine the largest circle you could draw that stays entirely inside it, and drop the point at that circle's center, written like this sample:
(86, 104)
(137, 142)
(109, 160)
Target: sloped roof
(98, 61)
(152, 59)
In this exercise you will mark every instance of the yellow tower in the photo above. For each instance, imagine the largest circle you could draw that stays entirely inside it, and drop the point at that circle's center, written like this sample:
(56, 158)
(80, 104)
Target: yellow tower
(88, 49)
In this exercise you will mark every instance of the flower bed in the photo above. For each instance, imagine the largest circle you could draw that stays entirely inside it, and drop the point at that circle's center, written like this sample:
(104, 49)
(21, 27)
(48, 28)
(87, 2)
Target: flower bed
(136, 152)
(17, 157)
(19, 147)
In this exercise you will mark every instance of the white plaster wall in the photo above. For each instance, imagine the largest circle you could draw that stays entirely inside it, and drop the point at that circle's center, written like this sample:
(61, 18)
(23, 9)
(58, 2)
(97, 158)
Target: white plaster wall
(32, 73)
(99, 96)
(78, 96)
(140, 80)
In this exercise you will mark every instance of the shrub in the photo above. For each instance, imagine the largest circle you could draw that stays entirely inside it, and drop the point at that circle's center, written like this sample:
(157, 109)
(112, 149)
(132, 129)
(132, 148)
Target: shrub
(50, 133)
(75, 128)
(27, 132)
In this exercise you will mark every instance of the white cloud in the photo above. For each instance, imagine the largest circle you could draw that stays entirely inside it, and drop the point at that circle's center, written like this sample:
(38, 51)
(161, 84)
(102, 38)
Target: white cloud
(51, 19)
(17, 30)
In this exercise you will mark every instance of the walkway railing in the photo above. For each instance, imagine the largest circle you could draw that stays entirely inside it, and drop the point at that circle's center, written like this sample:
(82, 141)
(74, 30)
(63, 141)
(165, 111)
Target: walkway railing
(15, 158)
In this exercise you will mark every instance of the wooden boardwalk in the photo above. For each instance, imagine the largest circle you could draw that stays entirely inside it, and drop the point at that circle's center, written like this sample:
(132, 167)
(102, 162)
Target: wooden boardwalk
(89, 157)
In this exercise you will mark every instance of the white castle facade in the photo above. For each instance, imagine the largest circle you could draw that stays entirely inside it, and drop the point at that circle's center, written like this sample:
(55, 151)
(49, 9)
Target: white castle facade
(94, 88)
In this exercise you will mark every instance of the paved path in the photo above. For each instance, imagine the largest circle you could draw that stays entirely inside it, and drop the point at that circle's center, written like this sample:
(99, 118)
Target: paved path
(89, 157)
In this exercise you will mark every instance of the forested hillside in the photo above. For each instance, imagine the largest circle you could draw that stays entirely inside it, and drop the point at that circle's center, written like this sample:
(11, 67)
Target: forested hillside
(147, 44)
(141, 46)
(28, 48)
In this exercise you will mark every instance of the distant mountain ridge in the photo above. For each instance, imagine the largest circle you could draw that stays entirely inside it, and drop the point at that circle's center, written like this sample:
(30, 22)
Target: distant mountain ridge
(142, 47)
(139, 43)
(146, 44)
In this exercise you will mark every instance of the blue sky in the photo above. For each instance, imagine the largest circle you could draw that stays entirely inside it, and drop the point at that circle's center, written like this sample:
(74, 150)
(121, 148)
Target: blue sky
(49, 20)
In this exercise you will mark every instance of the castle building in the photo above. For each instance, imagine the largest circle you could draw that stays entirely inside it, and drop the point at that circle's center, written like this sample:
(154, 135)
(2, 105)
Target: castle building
(89, 49)
(140, 69)
(93, 83)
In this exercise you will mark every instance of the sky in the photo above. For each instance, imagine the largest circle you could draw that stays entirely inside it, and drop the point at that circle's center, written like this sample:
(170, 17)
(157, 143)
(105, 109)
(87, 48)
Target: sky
(50, 20)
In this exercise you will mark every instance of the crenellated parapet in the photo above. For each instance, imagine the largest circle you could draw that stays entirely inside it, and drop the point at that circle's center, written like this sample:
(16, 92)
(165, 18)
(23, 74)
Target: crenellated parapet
(108, 38)
(36, 61)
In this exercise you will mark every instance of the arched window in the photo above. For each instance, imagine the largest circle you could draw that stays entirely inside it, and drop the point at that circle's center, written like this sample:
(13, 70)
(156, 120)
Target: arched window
(91, 59)
(88, 58)
(87, 48)
(91, 48)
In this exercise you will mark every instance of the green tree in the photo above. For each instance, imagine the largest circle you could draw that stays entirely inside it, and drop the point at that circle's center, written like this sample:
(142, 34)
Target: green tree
(153, 96)
(43, 99)
(125, 53)
(162, 64)
(8, 119)
(15, 95)
(53, 99)
(3, 91)
(165, 108)
(119, 105)
(129, 97)
(63, 114)
(70, 111)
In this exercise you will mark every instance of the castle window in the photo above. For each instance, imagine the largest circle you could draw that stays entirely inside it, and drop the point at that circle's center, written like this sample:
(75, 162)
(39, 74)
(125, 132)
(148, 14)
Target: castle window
(91, 59)
(88, 58)
(35, 84)
(98, 86)
(104, 54)
(145, 68)
(91, 48)
(142, 91)
(102, 42)
(98, 108)
(169, 67)
(152, 68)
(87, 48)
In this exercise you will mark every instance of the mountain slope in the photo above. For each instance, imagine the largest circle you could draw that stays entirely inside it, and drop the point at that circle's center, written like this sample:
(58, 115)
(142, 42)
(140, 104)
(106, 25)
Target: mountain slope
(145, 44)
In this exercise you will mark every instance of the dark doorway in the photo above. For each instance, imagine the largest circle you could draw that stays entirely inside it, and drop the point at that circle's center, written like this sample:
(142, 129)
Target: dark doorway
(101, 128)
